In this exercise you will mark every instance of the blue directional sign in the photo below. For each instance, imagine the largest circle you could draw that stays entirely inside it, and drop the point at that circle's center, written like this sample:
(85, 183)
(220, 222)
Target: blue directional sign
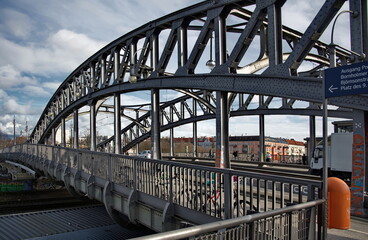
(346, 80)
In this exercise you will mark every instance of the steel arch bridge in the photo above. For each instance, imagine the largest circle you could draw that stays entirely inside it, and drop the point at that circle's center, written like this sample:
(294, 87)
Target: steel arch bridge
(254, 57)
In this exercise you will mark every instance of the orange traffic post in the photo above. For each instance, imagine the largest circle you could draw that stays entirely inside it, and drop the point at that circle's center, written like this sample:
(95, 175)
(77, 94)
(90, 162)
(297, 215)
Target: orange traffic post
(338, 204)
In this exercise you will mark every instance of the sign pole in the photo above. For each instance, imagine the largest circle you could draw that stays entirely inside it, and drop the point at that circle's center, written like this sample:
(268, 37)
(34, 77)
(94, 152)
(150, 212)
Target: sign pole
(325, 166)
(332, 49)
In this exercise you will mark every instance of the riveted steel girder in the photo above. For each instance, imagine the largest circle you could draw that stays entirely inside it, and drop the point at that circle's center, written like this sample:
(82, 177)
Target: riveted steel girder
(106, 73)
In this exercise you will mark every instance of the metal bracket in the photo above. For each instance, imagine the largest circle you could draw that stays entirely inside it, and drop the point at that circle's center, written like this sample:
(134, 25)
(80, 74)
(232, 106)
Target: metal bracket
(90, 186)
(132, 199)
(107, 200)
(167, 216)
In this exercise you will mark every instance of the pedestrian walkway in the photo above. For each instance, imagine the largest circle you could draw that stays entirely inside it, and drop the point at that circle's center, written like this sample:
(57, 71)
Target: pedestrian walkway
(358, 231)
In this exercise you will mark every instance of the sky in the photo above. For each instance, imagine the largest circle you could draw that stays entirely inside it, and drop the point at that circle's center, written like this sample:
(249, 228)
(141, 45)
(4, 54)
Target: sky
(43, 41)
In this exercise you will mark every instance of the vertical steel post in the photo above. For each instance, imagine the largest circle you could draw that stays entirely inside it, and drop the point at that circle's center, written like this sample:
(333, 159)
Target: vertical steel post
(358, 27)
(222, 108)
(325, 166)
(92, 125)
(53, 136)
(137, 130)
(274, 29)
(195, 130)
(117, 123)
(312, 137)
(182, 45)
(172, 144)
(325, 144)
(261, 138)
(155, 124)
(62, 129)
(155, 103)
(76, 129)
(103, 70)
(222, 131)
(116, 65)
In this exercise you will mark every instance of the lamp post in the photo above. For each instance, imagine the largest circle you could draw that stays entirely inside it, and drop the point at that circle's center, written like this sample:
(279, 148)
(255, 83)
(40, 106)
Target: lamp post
(211, 63)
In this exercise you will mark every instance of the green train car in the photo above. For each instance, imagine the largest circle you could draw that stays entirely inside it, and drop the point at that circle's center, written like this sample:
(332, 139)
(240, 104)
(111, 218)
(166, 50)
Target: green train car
(16, 186)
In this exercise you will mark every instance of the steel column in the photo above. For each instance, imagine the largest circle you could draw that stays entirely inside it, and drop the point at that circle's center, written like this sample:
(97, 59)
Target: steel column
(220, 40)
(92, 125)
(172, 144)
(117, 123)
(155, 124)
(222, 130)
(137, 130)
(76, 129)
(222, 107)
(53, 135)
(154, 51)
(261, 138)
(62, 134)
(155, 103)
(358, 27)
(274, 30)
(195, 130)
(262, 149)
(182, 45)
(312, 137)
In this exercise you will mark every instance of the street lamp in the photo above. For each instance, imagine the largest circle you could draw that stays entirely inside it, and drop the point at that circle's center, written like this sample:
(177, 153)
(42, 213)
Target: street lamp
(332, 46)
(211, 63)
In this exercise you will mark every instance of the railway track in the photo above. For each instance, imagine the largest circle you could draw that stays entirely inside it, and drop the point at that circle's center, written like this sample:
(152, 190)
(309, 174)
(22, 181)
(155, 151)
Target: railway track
(295, 171)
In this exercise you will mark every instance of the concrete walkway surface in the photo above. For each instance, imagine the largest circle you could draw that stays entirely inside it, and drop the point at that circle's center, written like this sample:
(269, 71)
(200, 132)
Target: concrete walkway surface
(358, 231)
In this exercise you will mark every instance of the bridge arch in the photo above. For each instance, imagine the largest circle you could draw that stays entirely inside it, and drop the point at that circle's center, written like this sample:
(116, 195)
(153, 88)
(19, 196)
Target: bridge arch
(147, 54)
(167, 54)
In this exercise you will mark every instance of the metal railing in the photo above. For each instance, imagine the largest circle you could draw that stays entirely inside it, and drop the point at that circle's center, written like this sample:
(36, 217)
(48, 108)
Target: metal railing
(289, 223)
(221, 193)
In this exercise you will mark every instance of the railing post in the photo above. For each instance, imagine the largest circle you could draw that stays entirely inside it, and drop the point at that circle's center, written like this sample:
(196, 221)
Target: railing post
(228, 195)
(135, 168)
(251, 230)
(109, 169)
(79, 161)
(171, 183)
(311, 229)
(290, 223)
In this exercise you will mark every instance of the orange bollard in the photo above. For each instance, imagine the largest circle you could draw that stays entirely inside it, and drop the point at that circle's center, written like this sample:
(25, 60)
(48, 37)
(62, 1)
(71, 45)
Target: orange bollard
(338, 204)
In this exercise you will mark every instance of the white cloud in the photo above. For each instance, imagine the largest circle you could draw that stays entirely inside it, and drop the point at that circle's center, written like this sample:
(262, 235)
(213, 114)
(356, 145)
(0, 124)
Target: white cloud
(62, 52)
(10, 105)
(51, 85)
(15, 23)
(38, 91)
(9, 77)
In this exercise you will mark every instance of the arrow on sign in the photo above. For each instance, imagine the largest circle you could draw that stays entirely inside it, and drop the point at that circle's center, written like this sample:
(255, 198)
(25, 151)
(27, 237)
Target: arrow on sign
(332, 88)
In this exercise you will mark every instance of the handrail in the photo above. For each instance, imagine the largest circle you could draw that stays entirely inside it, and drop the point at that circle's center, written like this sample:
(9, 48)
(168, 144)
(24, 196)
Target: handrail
(27, 169)
(211, 227)
(238, 191)
(250, 174)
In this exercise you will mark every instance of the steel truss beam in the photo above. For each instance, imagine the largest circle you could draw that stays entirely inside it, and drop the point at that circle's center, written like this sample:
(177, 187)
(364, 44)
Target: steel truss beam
(137, 53)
